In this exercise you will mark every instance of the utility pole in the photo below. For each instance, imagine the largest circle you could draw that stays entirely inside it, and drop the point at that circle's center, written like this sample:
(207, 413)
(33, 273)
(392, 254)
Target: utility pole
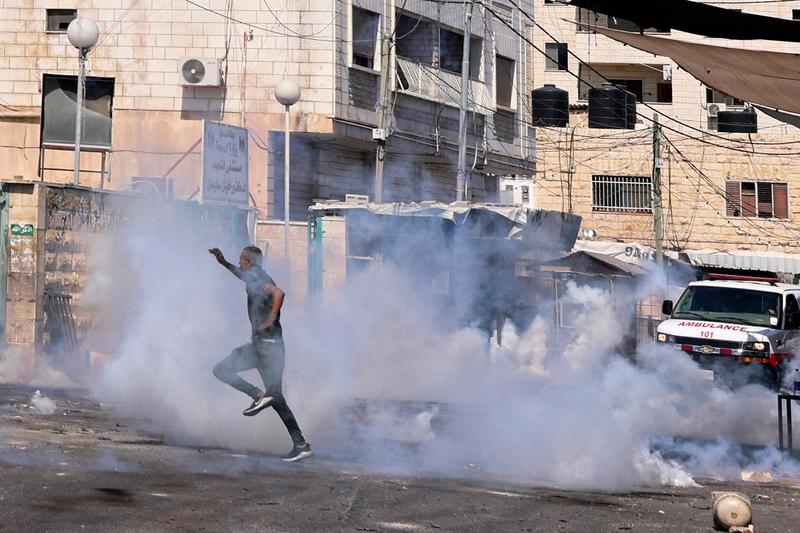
(658, 221)
(461, 176)
(380, 135)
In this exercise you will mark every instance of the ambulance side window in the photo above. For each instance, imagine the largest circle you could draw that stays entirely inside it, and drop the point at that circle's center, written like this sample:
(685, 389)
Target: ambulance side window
(792, 312)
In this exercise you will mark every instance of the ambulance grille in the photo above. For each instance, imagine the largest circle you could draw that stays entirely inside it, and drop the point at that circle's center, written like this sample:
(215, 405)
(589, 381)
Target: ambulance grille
(708, 342)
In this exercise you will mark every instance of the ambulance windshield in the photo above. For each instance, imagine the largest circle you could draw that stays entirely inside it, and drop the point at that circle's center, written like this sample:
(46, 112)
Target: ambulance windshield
(727, 304)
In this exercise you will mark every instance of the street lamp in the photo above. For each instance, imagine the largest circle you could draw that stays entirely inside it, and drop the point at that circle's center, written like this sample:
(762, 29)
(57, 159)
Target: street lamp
(287, 93)
(83, 34)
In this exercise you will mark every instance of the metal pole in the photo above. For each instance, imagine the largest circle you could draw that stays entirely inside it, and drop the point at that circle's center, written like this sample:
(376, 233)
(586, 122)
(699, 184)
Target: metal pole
(461, 176)
(658, 227)
(79, 113)
(286, 159)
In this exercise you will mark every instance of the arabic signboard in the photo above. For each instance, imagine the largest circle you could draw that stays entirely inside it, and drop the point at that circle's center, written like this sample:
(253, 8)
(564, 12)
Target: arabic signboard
(21, 229)
(225, 172)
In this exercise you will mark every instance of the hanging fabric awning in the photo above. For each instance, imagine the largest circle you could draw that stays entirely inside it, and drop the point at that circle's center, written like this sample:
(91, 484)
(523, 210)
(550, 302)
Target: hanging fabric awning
(771, 79)
(697, 18)
(788, 118)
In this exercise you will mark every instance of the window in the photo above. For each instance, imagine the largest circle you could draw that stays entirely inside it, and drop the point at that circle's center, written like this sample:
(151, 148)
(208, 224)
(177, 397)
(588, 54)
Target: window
(717, 97)
(365, 37)
(622, 193)
(58, 19)
(617, 23)
(792, 313)
(753, 308)
(632, 86)
(593, 18)
(415, 39)
(756, 199)
(557, 56)
(664, 93)
(795, 14)
(504, 81)
(451, 53)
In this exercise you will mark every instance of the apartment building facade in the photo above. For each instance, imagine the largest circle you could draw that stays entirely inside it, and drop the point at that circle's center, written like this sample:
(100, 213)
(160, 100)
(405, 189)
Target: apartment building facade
(732, 192)
(332, 49)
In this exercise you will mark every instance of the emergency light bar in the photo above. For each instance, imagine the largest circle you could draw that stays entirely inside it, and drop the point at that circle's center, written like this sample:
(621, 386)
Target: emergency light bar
(734, 277)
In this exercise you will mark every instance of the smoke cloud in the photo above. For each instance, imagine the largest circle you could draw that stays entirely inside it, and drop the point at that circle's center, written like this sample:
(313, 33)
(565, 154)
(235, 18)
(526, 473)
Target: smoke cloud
(378, 372)
(15, 367)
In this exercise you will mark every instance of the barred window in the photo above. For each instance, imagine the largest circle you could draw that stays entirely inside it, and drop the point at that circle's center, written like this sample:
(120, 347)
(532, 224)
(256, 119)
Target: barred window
(622, 193)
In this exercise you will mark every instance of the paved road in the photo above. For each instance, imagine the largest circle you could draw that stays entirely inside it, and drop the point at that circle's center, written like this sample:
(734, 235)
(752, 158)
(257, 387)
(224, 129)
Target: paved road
(81, 469)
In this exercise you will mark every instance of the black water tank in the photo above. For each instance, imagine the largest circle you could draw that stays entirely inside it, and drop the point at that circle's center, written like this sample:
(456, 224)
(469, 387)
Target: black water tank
(611, 107)
(630, 109)
(550, 106)
(737, 121)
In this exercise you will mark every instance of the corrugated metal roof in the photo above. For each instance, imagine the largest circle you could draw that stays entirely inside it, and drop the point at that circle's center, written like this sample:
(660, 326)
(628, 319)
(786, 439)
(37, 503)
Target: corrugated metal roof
(746, 260)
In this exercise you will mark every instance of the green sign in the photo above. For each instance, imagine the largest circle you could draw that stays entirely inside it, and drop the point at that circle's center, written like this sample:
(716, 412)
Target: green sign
(21, 229)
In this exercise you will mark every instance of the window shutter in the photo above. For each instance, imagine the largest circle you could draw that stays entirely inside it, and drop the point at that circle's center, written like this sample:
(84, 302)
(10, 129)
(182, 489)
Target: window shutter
(764, 200)
(780, 200)
(733, 206)
(749, 199)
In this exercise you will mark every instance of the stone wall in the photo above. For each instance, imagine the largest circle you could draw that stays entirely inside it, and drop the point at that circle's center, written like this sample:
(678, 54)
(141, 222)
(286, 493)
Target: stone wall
(695, 214)
(51, 231)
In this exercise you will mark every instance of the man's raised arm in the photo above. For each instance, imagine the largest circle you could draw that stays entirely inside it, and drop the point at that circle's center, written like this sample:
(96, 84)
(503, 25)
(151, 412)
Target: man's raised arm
(217, 253)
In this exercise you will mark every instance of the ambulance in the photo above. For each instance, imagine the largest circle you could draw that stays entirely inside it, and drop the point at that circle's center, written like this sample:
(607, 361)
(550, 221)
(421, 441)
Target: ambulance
(738, 329)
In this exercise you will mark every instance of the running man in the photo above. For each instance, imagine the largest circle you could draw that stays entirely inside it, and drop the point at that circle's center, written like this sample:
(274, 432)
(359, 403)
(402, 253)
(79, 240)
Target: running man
(265, 352)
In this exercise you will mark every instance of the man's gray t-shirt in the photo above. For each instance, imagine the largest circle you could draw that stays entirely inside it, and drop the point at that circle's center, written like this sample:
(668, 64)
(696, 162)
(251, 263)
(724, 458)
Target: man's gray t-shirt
(259, 302)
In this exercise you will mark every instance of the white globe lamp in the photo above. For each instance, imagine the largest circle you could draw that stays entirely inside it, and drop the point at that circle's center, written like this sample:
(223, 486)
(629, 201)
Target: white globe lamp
(287, 93)
(83, 33)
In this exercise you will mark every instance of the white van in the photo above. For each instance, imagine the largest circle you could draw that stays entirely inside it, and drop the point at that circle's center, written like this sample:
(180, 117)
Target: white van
(738, 329)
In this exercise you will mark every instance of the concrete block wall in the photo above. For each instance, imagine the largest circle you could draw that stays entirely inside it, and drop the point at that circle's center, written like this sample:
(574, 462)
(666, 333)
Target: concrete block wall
(694, 208)
(25, 282)
(156, 121)
(142, 46)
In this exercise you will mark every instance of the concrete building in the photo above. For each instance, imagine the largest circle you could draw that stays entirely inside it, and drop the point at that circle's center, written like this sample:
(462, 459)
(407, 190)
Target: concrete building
(729, 192)
(331, 49)
(246, 47)
(516, 190)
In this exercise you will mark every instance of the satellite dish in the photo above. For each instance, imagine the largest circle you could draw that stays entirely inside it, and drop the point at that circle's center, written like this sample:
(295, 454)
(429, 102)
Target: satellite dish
(193, 71)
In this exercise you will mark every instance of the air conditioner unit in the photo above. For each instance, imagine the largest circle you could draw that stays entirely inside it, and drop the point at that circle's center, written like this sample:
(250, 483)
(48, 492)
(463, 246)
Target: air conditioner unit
(194, 72)
(714, 109)
(151, 186)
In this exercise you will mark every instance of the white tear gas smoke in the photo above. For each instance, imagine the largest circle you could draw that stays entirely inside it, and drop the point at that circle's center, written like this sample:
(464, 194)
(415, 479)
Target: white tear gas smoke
(42, 404)
(376, 371)
(15, 367)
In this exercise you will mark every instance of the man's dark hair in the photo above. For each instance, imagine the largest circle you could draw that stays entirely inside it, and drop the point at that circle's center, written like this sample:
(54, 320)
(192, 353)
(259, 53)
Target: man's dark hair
(254, 254)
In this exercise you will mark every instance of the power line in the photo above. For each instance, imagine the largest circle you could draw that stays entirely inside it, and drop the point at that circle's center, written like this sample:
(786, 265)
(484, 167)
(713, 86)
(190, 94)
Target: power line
(724, 195)
(587, 65)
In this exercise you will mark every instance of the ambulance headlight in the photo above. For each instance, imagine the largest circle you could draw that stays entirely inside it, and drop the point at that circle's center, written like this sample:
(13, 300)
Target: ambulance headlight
(662, 337)
(756, 346)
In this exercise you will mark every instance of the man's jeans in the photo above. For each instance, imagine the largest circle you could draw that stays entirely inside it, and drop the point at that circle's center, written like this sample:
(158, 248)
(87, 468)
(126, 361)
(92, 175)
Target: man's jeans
(266, 356)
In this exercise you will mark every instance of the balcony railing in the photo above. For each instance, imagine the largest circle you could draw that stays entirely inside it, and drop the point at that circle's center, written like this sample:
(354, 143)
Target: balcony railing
(440, 85)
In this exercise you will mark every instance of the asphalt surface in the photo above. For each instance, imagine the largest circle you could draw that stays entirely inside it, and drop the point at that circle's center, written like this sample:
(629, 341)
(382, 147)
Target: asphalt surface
(84, 469)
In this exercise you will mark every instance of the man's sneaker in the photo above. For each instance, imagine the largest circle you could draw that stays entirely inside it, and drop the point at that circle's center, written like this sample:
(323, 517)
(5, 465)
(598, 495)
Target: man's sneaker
(258, 405)
(298, 453)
